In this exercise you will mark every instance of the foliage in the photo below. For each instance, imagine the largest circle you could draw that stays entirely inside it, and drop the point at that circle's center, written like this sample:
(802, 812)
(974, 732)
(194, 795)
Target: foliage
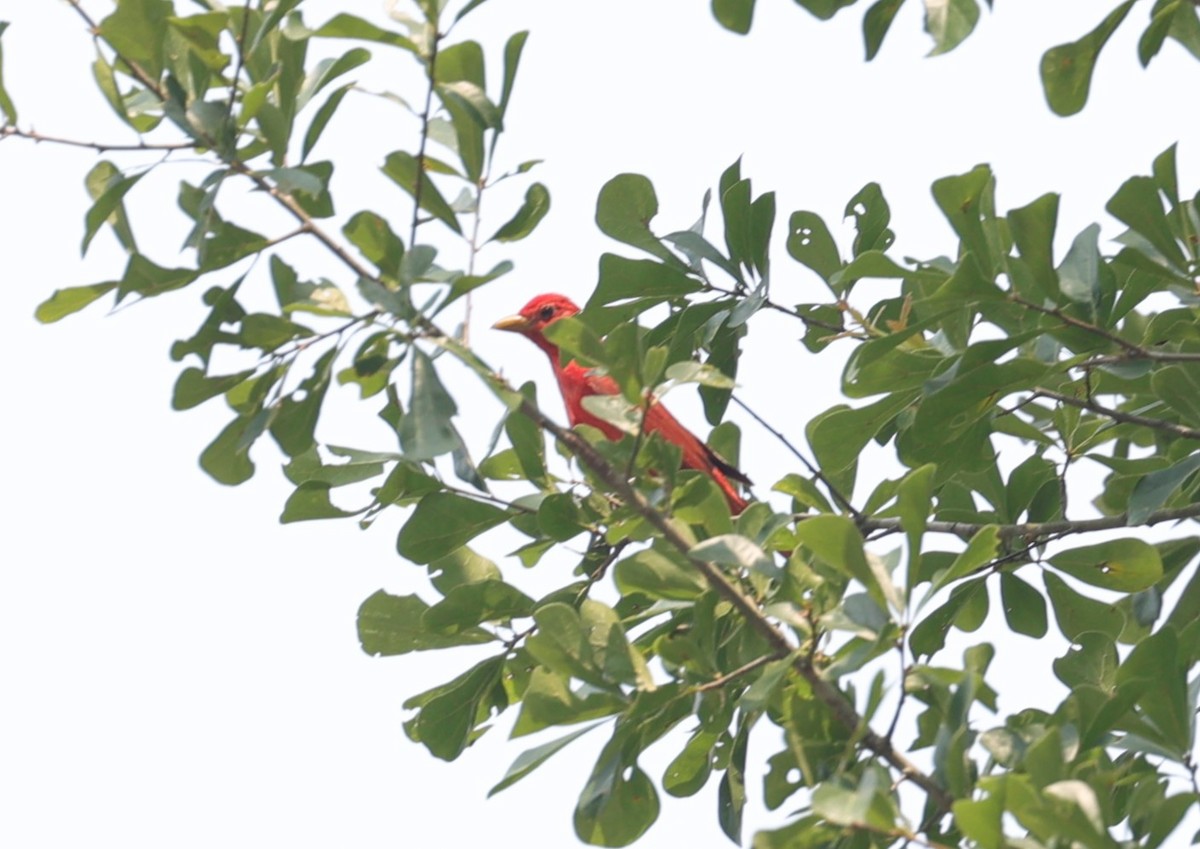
(990, 372)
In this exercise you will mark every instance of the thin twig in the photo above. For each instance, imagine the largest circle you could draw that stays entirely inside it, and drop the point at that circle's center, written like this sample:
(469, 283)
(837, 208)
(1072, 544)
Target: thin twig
(717, 683)
(99, 147)
(813, 470)
(1036, 530)
(1119, 416)
(1131, 348)
(420, 181)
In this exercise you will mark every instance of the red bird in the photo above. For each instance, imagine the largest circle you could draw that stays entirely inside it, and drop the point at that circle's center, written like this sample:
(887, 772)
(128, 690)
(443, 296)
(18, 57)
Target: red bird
(577, 382)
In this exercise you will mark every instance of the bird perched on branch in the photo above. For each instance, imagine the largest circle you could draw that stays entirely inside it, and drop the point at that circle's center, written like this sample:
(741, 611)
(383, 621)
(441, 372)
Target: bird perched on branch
(577, 382)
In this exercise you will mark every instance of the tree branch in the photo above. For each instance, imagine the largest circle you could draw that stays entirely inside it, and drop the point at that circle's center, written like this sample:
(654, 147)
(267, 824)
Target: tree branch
(842, 710)
(1119, 416)
(100, 147)
(1035, 530)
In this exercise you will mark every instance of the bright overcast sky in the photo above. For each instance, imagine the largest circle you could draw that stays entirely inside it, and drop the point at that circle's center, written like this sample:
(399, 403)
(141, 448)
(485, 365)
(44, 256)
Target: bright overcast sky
(179, 669)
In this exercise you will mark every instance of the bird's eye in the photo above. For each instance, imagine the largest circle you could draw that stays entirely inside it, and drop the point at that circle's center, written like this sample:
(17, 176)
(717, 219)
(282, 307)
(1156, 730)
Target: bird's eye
(546, 313)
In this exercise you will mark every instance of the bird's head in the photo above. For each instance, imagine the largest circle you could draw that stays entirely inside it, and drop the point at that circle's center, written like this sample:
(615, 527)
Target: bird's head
(535, 315)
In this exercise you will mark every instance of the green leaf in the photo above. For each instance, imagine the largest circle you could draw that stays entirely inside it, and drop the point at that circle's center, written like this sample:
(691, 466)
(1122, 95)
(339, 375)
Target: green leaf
(949, 22)
(6, 104)
(194, 387)
(914, 501)
(295, 420)
(624, 208)
(1152, 491)
(810, 243)
(1077, 614)
(876, 23)
(659, 573)
(1126, 565)
(391, 625)
(980, 551)
(444, 522)
(403, 169)
(837, 541)
(1137, 204)
(108, 187)
(471, 604)
(137, 30)
(321, 119)
(622, 278)
(690, 769)
(532, 211)
(349, 26)
(734, 15)
(619, 801)
(531, 759)
(735, 551)
(871, 216)
(449, 713)
(1067, 68)
(426, 431)
(1024, 607)
(310, 500)
(375, 240)
(549, 700)
(227, 459)
(66, 301)
(1032, 227)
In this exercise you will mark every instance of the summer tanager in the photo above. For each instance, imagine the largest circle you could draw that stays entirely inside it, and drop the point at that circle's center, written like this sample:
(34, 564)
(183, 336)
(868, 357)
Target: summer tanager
(578, 382)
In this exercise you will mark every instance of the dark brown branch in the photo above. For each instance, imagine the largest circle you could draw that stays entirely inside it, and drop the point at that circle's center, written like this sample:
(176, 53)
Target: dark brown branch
(842, 710)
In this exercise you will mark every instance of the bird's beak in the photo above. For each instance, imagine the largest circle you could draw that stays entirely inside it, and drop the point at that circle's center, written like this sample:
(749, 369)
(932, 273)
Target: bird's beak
(514, 323)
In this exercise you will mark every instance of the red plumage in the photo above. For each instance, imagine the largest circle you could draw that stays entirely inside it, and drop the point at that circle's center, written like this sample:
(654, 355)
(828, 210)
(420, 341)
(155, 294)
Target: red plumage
(577, 382)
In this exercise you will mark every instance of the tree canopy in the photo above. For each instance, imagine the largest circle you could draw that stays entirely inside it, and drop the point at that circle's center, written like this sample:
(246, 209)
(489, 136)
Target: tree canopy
(818, 619)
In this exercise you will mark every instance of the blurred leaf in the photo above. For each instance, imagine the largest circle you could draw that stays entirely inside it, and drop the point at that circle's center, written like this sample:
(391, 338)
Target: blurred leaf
(375, 240)
(1067, 68)
(1152, 491)
(349, 26)
(391, 625)
(660, 574)
(531, 759)
(108, 187)
(6, 104)
(474, 603)
(402, 167)
(1138, 205)
(448, 714)
(321, 119)
(295, 420)
(532, 211)
(876, 23)
(1077, 614)
(137, 30)
(949, 22)
(735, 551)
(444, 522)
(1024, 607)
(426, 431)
(194, 387)
(810, 243)
(309, 501)
(734, 15)
(63, 302)
(1126, 565)
(871, 217)
(619, 801)
(624, 208)
(837, 541)
(622, 278)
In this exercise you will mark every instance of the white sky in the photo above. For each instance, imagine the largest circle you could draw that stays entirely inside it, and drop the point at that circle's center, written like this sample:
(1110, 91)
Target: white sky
(181, 670)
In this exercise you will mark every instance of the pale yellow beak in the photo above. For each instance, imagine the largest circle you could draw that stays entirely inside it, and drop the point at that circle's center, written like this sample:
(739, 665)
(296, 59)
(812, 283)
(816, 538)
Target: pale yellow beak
(514, 323)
